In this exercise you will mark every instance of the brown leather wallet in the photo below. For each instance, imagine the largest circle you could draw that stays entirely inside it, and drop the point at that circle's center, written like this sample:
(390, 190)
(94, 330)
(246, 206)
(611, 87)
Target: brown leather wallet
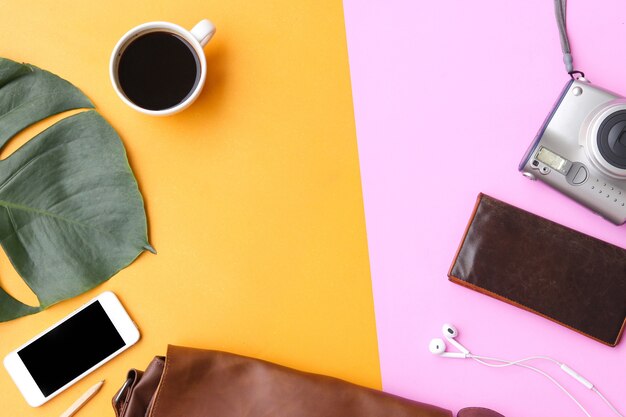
(543, 267)
(205, 383)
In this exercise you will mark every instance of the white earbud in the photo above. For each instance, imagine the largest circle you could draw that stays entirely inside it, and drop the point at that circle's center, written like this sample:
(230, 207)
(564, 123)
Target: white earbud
(450, 332)
(438, 347)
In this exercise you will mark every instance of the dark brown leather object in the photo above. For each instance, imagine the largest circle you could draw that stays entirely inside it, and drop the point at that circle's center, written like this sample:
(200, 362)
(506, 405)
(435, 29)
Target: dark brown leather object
(202, 383)
(478, 412)
(543, 267)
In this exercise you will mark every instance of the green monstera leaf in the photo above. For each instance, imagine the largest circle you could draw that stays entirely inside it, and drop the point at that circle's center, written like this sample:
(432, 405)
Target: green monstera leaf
(71, 215)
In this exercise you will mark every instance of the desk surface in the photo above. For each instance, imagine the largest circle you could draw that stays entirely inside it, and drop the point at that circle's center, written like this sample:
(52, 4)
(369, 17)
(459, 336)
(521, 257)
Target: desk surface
(448, 95)
(253, 194)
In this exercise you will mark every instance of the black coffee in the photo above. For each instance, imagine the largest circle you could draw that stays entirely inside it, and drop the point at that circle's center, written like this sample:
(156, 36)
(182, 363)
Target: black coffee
(158, 70)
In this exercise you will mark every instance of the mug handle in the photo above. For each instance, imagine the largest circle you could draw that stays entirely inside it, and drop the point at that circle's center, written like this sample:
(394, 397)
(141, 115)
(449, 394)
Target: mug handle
(203, 31)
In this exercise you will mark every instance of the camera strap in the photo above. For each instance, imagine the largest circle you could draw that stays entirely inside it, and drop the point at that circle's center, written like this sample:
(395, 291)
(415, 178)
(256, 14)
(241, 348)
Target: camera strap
(560, 9)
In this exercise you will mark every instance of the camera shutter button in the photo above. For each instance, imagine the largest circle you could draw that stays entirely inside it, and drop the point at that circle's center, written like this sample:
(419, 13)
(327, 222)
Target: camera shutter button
(578, 174)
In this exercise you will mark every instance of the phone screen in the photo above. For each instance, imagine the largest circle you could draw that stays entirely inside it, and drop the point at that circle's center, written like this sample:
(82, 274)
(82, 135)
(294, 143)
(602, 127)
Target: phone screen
(71, 348)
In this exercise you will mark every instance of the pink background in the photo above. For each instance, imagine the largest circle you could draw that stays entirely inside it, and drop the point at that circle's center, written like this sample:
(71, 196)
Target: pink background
(448, 95)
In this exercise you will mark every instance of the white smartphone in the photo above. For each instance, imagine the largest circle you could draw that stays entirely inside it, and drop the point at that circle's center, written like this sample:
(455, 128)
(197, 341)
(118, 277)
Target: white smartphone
(66, 352)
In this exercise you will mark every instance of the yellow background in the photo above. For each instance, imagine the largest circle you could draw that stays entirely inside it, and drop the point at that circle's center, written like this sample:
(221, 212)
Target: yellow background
(253, 194)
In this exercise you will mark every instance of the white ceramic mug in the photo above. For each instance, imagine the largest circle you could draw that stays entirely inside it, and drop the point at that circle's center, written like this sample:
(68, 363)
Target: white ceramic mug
(197, 38)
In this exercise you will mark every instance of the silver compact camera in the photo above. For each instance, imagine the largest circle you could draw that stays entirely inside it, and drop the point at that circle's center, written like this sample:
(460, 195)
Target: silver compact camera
(581, 149)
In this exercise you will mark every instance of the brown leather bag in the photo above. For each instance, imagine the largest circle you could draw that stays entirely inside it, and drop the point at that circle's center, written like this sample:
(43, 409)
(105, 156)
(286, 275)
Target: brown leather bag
(203, 383)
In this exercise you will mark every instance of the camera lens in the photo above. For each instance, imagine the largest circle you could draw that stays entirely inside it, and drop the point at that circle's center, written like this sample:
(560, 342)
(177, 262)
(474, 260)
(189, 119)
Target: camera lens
(612, 139)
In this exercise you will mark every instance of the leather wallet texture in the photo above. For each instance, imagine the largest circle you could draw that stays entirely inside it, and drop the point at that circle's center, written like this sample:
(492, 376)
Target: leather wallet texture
(543, 267)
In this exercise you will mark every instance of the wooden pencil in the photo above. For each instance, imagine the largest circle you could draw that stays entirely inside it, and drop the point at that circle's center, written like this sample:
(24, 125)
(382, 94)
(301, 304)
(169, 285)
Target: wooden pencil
(79, 403)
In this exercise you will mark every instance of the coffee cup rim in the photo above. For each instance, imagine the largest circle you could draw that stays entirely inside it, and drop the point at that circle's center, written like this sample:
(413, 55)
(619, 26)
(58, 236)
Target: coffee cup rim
(146, 28)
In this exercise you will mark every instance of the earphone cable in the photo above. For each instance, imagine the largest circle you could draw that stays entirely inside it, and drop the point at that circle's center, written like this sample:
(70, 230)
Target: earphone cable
(509, 363)
(438, 347)
(481, 360)
(518, 362)
(611, 406)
